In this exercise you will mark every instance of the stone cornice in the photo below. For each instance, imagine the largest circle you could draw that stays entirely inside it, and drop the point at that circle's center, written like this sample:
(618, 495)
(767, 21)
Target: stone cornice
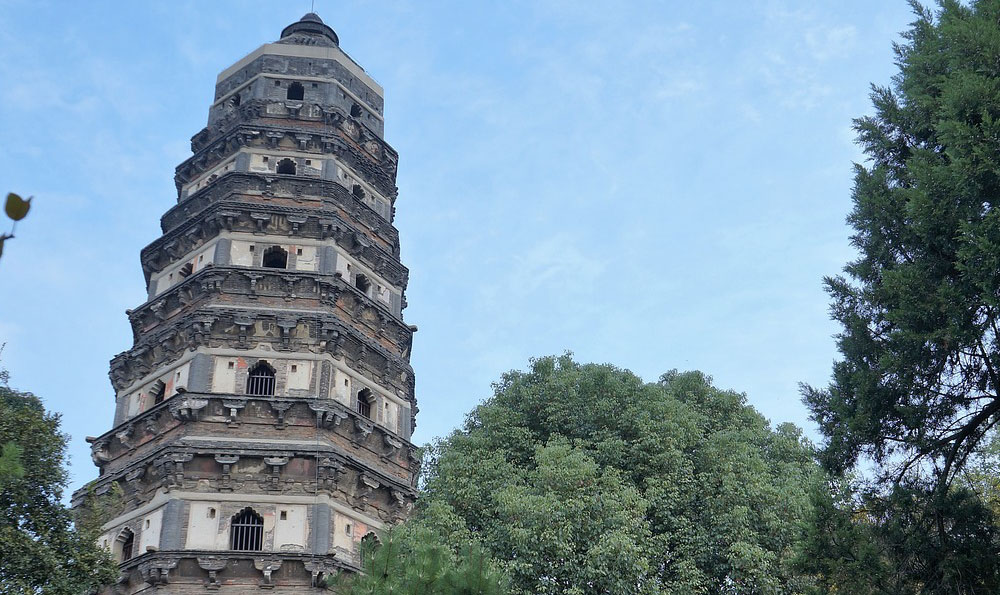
(233, 328)
(377, 247)
(256, 285)
(333, 133)
(284, 191)
(164, 452)
(160, 568)
(228, 407)
(149, 451)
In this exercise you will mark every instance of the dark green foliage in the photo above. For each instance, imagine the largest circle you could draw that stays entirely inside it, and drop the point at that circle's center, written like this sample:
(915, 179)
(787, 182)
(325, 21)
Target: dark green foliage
(918, 385)
(916, 393)
(914, 540)
(414, 559)
(583, 479)
(40, 550)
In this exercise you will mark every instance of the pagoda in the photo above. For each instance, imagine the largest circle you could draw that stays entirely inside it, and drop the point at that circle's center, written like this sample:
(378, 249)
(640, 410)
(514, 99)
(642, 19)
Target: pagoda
(263, 415)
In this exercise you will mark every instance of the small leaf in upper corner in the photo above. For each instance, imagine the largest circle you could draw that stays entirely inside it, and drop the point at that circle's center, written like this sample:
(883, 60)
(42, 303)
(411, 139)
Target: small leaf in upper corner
(17, 207)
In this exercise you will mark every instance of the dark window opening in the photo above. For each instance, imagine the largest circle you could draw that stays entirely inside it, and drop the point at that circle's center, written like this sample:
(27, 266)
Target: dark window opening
(362, 283)
(126, 541)
(246, 531)
(277, 83)
(275, 257)
(235, 101)
(358, 191)
(295, 92)
(365, 402)
(158, 391)
(186, 270)
(355, 111)
(286, 166)
(260, 382)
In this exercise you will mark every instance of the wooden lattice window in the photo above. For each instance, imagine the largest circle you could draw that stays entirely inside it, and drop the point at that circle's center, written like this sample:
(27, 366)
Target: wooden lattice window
(260, 382)
(246, 531)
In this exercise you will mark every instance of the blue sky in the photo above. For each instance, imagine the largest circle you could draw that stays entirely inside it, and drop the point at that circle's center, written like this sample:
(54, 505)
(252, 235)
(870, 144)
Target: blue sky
(652, 184)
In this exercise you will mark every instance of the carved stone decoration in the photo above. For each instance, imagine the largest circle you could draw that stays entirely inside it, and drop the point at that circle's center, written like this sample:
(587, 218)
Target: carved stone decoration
(213, 565)
(233, 406)
(366, 487)
(329, 474)
(402, 505)
(267, 566)
(362, 428)
(227, 462)
(99, 452)
(157, 572)
(186, 408)
(392, 445)
(125, 435)
(172, 468)
(328, 415)
(272, 481)
(319, 569)
(279, 408)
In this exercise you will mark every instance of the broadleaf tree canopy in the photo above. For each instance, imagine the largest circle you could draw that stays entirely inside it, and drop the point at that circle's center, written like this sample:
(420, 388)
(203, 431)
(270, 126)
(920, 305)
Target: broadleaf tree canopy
(583, 479)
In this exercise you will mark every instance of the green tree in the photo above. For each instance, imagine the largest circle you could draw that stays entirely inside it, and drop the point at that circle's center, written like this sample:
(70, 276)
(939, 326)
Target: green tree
(414, 559)
(913, 540)
(917, 388)
(583, 479)
(41, 550)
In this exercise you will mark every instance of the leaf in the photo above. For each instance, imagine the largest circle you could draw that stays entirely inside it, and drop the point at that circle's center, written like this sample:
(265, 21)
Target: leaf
(17, 207)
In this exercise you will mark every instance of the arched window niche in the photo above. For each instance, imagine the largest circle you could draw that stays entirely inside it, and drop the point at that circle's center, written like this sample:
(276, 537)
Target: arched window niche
(296, 92)
(260, 381)
(275, 257)
(123, 546)
(246, 531)
(365, 400)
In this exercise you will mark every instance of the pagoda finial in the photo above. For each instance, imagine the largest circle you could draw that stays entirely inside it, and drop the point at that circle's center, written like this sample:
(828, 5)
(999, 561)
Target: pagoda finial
(310, 29)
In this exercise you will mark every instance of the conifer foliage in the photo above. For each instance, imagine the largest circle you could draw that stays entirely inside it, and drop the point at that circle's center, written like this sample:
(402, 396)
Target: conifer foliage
(415, 560)
(916, 395)
(919, 384)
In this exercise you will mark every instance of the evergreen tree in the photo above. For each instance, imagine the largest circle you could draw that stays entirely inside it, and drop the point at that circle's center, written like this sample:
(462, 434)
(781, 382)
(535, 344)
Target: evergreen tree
(918, 389)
